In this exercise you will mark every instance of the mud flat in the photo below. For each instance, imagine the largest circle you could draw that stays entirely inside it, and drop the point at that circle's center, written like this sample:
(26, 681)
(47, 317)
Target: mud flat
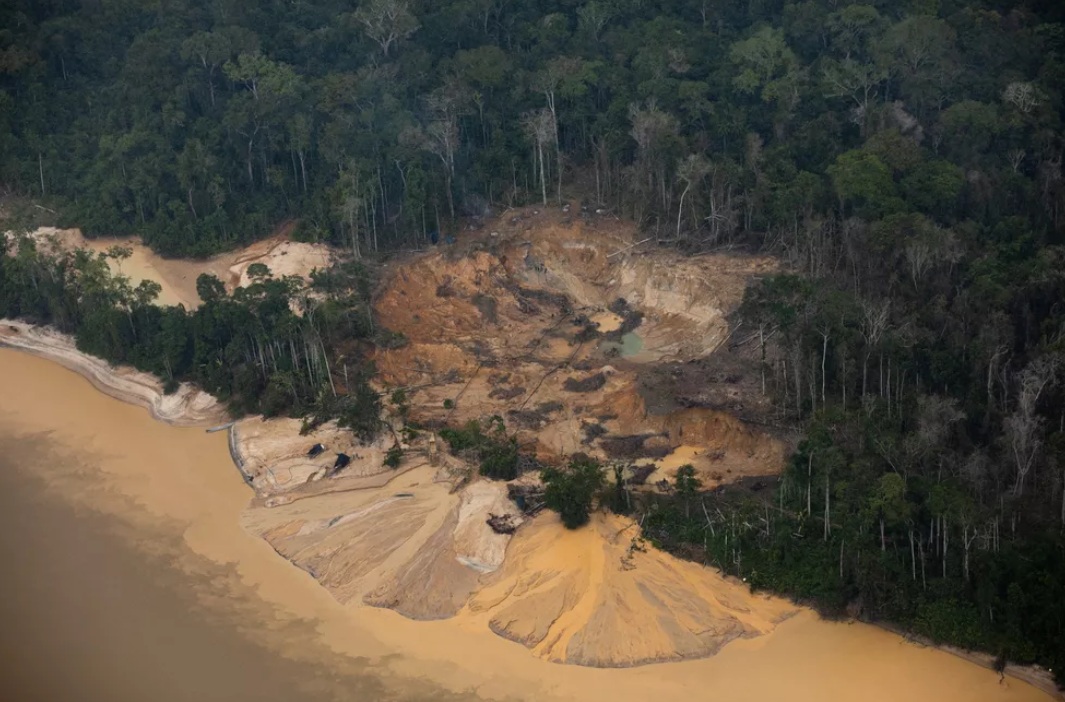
(173, 483)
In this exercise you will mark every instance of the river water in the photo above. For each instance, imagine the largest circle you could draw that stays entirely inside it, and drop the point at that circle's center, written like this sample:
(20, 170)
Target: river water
(90, 616)
(125, 575)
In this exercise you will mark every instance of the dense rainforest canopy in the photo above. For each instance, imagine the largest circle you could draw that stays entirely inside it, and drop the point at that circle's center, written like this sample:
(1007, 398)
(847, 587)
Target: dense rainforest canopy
(200, 123)
(903, 158)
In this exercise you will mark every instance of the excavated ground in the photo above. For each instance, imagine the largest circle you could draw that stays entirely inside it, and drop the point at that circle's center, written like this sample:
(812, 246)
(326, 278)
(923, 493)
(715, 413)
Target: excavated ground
(571, 336)
(581, 342)
(583, 338)
(177, 277)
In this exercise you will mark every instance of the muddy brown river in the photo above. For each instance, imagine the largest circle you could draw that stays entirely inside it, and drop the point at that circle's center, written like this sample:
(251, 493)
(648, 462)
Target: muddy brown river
(125, 575)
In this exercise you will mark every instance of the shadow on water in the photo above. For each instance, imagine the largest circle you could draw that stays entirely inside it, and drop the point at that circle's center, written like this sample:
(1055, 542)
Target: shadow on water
(97, 606)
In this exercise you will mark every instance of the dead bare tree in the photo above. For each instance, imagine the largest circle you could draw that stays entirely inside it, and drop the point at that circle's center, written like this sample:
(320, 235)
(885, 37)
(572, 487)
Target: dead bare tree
(874, 322)
(691, 171)
(1023, 428)
(537, 126)
(919, 258)
(968, 535)
(1024, 96)
(387, 22)
(1016, 158)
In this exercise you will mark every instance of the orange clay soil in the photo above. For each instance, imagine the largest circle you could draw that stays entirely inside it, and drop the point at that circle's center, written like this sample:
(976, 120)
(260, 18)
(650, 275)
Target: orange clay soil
(530, 324)
(547, 324)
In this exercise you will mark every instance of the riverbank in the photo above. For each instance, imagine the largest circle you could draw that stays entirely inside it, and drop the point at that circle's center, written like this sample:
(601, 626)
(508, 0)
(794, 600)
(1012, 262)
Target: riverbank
(434, 555)
(1037, 677)
(102, 604)
(209, 497)
(187, 406)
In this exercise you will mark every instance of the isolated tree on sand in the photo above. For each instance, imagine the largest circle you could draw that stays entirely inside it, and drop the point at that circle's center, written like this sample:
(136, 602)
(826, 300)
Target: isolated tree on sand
(570, 490)
(687, 486)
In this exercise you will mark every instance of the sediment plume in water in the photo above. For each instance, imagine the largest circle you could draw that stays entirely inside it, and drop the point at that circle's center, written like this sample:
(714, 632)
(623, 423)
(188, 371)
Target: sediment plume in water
(178, 484)
(528, 342)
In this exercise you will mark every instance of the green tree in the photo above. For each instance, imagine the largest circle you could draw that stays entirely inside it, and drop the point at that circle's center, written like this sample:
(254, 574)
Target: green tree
(933, 188)
(387, 22)
(766, 66)
(864, 182)
(571, 490)
(687, 486)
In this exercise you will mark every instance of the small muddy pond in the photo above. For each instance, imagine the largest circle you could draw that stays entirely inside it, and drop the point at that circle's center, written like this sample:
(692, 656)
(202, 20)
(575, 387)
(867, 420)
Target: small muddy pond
(630, 344)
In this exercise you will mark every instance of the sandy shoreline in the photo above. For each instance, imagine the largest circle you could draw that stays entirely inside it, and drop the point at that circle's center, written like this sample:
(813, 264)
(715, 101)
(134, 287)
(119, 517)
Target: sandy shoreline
(188, 406)
(193, 411)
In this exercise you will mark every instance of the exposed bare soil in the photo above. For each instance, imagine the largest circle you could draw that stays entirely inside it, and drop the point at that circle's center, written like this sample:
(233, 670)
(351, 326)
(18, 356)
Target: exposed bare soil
(533, 319)
(177, 277)
(547, 358)
(186, 406)
(559, 327)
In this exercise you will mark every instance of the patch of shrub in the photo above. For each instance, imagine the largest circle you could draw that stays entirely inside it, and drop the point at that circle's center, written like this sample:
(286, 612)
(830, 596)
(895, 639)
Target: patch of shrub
(571, 490)
(589, 384)
(617, 496)
(394, 457)
(496, 452)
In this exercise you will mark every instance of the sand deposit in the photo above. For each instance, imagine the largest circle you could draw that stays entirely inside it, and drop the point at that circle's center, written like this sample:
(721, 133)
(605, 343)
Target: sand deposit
(177, 277)
(580, 596)
(179, 482)
(416, 546)
(186, 406)
(274, 453)
(522, 327)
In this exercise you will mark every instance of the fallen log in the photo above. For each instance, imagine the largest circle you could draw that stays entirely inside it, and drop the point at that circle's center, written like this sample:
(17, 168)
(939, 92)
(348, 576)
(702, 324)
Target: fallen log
(504, 523)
